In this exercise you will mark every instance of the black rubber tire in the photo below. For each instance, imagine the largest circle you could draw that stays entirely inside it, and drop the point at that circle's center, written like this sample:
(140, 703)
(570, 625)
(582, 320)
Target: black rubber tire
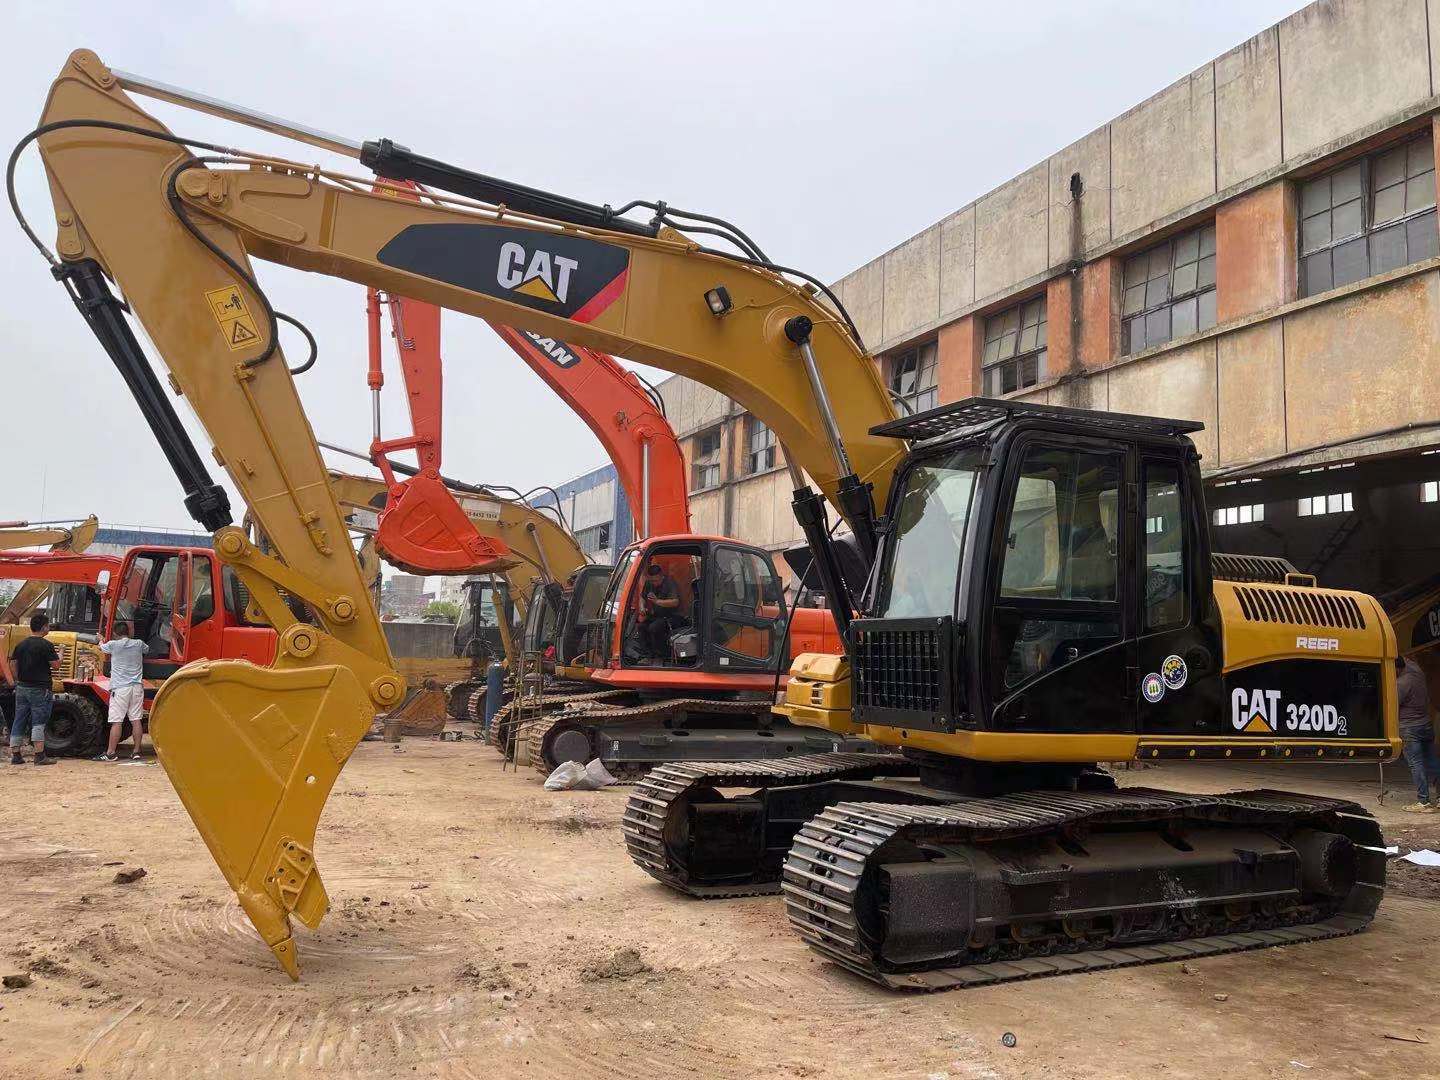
(76, 727)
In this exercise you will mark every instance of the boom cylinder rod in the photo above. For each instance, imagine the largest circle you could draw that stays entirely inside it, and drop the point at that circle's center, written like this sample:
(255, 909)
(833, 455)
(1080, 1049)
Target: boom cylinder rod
(192, 99)
(852, 496)
(206, 500)
(376, 375)
(539, 547)
(645, 489)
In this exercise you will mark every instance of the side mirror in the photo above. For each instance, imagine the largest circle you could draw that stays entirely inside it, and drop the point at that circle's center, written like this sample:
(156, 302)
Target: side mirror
(102, 581)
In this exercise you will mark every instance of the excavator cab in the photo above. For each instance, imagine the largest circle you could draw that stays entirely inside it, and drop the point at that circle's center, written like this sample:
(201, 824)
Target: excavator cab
(561, 616)
(1047, 572)
(703, 604)
(184, 605)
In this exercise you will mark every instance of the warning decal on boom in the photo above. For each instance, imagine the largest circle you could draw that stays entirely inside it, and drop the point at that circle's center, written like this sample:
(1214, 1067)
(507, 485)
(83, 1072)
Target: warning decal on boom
(237, 325)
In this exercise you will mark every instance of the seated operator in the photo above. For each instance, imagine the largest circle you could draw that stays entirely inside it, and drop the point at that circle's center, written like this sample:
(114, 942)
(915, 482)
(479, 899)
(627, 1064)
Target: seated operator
(659, 611)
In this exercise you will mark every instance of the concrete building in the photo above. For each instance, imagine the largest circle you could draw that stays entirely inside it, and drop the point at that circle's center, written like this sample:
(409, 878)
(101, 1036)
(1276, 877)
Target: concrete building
(1255, 246)
(738, 482)
(595, 508)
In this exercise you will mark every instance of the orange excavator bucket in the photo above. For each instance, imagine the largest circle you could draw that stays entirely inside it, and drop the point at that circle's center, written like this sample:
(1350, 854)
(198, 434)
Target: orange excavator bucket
(423, 530)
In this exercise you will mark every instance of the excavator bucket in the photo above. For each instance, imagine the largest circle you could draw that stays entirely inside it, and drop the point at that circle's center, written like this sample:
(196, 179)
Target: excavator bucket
(424, 530)
(253, 753)
(422, 712)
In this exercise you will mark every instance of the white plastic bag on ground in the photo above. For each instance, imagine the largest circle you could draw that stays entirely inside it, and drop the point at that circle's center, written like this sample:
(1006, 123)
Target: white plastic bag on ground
(572, 776)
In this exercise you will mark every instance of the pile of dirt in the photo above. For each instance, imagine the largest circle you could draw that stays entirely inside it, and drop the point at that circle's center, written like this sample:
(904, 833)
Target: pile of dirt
(484, 976)
(621, 964)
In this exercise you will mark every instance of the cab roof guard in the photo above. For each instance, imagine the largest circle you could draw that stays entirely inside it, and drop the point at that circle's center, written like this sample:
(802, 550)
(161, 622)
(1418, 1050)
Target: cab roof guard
(977, 413)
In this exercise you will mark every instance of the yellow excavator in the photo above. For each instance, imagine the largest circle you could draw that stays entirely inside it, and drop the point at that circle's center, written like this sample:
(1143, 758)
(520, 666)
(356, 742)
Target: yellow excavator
(1037, 597)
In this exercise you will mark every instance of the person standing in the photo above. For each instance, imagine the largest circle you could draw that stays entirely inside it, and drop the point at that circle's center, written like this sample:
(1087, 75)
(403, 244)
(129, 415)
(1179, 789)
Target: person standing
(35, 661)
(127, 689)
(1417, 735)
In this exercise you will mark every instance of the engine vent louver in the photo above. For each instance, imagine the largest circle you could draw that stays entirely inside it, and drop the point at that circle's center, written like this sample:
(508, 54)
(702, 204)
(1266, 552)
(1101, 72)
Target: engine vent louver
(1307, 607)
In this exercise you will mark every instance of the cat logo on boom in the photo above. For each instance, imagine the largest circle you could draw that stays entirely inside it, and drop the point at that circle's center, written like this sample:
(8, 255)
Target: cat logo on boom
(573, 277)
(538, 273)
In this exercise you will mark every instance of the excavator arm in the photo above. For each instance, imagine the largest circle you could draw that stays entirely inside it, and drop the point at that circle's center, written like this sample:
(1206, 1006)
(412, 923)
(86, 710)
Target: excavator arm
(70, 540)
(253, 752)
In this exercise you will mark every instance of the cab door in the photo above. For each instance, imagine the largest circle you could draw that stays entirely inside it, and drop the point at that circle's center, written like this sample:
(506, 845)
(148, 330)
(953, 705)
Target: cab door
(1059, 649)
(180, 609)
(1179, 649)
(743, 622)
(204, 634)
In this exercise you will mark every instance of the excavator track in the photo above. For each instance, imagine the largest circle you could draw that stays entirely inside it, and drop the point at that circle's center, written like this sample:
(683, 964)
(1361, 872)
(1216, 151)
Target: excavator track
(658, 807)
(633, 739)
(840, 884)
(501, 724)
(598, 712)
(458, 696)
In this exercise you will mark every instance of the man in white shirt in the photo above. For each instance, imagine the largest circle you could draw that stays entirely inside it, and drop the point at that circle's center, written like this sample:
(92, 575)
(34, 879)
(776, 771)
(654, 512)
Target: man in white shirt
(127, 689)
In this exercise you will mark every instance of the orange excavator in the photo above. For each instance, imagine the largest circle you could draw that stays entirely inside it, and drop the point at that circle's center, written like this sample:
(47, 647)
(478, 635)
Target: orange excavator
(691, 679)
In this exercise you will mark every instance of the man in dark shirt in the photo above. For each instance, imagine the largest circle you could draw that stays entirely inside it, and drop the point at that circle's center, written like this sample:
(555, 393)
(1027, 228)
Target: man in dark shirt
(34, 661)
(659, 611)
(1417, 734)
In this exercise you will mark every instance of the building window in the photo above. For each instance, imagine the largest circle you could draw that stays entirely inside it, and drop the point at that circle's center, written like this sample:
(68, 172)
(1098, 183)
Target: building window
(761, 457)
(1014, 355)
(707, 460)
(1170, 290)
(594, 539)
(1339, 503)
(1430, 491)
(1367, 217)
(913, 378)
(1240, 515)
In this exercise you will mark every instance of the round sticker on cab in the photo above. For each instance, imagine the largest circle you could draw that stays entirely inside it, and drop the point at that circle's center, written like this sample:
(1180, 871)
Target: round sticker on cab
(1174, 672)
(1152, 687)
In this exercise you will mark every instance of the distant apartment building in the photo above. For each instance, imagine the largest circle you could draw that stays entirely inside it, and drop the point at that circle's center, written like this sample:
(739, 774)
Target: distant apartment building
(403, 595)
(1254, 247)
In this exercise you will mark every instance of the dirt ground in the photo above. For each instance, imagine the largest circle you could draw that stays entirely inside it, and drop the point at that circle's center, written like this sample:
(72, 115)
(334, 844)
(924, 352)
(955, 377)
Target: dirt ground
(482, 927)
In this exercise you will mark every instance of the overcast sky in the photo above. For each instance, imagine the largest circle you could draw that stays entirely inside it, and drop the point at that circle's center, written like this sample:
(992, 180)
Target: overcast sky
(829, 131)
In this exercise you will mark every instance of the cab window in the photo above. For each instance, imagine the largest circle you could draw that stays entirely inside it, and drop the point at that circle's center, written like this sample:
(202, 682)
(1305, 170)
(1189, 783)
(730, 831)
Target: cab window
(1163, 588)
(202, 590)
(746, 600)
(1060, 552)
(927, 538)
(1061, 542)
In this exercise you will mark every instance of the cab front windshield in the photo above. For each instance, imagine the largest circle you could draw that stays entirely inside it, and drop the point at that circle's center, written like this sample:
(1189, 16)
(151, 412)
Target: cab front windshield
(927, 539)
